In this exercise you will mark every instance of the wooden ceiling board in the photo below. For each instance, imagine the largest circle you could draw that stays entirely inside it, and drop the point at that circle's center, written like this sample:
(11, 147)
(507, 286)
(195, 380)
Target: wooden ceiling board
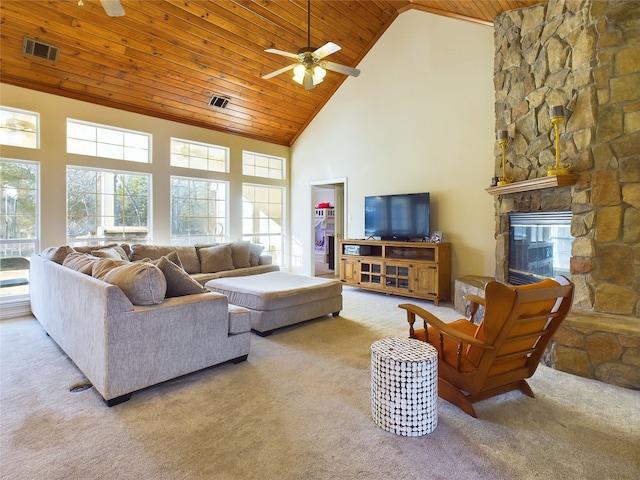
(166, 58)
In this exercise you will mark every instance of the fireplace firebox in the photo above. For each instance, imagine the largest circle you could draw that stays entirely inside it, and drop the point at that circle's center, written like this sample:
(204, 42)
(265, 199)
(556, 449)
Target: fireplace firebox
(539, 246)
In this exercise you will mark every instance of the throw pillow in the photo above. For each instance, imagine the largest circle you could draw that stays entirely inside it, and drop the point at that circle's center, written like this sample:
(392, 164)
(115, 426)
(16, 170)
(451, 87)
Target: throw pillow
(57, 254)
(173, 257)
(216, 259)
(102, 266)
(241, 254)
(82, 262)
(179, 282)
(254, 255)
(142, 283)
(89, 248)
(117, 253)
(187, 254)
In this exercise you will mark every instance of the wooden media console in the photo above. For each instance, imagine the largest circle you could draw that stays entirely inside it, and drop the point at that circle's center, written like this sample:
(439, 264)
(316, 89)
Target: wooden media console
(411, 269)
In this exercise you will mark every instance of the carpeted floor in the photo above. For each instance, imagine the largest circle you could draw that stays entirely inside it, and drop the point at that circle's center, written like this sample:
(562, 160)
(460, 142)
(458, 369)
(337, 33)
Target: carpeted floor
(299, 408)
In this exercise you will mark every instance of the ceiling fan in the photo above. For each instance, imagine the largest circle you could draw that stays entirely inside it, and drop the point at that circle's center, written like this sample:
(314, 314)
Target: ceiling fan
(113, 8)
(311, 67)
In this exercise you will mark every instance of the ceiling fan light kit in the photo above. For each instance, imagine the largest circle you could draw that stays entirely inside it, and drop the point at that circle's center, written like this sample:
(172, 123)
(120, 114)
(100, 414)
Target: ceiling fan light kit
(311, 68)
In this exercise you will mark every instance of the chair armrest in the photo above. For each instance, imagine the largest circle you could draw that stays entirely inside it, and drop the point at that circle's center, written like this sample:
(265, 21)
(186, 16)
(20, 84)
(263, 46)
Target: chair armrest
(475, 299)
(430, 319)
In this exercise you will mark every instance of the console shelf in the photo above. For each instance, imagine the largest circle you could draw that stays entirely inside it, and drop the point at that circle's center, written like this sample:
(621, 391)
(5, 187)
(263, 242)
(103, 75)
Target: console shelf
(410, 269)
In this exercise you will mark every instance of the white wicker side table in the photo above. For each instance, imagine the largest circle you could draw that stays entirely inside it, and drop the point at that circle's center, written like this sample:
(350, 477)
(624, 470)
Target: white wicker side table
(404, 386)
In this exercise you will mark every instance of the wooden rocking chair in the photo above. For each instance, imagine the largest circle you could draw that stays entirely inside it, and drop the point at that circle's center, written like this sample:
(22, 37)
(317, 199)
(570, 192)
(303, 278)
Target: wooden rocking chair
(476, 362)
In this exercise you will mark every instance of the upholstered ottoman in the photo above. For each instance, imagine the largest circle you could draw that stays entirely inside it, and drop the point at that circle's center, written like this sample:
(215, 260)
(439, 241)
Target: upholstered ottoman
(278, 299)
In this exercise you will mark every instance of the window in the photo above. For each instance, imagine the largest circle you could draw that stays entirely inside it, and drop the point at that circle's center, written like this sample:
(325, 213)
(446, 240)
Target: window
(198, 211)
(19, 224)
(109, 142)
(19, 128)
(106, 206)
(201, 156)
(258, 165)
(262, 218)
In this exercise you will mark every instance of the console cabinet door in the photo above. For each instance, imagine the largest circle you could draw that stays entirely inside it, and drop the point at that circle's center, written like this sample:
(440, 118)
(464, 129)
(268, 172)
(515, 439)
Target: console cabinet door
(426, 280)
(348, 270)
(370, 273)
(397, 277)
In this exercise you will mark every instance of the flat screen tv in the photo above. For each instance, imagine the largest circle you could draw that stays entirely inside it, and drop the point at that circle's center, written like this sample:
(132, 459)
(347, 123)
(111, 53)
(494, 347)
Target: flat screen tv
(397, 217)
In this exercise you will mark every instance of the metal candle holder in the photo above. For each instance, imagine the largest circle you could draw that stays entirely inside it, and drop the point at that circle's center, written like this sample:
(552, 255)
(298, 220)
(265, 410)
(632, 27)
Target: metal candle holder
(557, 117)
(503, 141)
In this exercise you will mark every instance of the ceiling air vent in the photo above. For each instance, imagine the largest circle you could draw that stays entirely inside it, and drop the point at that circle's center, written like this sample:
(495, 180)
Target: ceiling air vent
(218, 101)
(41, 50)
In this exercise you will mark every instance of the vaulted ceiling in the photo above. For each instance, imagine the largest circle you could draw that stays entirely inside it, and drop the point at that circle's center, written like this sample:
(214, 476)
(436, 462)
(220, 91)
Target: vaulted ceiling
(167, 58)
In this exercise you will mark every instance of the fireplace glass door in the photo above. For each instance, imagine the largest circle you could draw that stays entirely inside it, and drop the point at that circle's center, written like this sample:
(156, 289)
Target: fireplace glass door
(539, 246)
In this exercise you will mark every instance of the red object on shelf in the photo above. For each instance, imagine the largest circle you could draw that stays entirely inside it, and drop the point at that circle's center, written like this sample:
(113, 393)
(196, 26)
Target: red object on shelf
(324, 205)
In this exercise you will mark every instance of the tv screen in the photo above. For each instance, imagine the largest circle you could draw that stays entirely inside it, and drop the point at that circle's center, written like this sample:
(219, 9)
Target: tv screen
(397, 217)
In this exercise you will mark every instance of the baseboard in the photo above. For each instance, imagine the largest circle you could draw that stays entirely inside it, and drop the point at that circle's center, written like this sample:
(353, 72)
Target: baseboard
(15, 308)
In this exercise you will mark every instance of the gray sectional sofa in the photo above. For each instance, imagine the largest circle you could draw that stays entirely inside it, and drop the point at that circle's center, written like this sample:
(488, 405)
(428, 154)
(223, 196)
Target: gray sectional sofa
(130, 324)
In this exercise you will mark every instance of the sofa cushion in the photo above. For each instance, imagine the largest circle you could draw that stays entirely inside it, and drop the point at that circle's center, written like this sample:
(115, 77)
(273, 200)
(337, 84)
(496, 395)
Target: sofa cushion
(187, 254)
(203, 278)
(254, 254)
(241, 254)
(116, 253)
(82, 262)
(216, 258)
(57, 254)
(142, 283)
(179, 282)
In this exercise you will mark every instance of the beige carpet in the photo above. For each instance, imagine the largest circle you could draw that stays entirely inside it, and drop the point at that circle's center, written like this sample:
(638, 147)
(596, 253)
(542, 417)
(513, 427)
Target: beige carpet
(299, 408)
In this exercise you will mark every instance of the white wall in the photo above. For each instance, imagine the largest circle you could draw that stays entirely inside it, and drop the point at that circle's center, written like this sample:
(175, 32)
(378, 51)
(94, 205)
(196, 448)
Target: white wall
(53, 158)
(419, 118)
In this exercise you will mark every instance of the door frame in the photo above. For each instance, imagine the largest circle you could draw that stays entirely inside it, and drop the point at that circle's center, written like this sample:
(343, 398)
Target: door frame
(339, 186)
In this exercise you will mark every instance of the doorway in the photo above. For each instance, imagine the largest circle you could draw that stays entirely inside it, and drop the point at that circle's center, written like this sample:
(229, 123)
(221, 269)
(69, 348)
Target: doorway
(328, 226)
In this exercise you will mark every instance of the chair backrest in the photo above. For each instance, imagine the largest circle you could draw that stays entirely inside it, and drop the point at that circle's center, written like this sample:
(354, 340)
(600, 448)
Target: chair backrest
(519, 322)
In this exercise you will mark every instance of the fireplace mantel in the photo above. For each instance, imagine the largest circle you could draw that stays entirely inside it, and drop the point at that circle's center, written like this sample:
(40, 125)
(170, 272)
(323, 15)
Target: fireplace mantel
(535, 184)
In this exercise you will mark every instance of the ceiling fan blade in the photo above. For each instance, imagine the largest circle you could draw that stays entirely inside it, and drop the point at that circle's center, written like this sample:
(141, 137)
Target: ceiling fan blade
(326, 50)
(278, 72)
(112, 7)
(280, 52)
(336, 67)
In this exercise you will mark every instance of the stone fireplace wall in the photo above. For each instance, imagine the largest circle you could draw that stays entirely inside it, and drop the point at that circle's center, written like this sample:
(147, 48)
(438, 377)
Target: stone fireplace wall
(584, 55)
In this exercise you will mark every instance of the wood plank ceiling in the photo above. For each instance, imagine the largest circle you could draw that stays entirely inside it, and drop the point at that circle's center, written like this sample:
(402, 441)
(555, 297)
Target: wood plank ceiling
(167, 58)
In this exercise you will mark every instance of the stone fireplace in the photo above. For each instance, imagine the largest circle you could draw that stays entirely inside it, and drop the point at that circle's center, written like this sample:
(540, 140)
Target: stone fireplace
(585, 56)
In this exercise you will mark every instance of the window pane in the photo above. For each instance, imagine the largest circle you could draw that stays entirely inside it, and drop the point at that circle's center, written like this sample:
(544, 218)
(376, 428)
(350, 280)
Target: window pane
(200, 156)
(262, 212)
(109, 142)
(18, 226)
(198, 211)
(262, 165)
(19, 128)
(107, 206)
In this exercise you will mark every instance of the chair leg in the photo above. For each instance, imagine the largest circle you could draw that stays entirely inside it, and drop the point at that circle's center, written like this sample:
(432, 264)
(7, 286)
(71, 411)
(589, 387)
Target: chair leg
(526, 389)
(452, 395)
